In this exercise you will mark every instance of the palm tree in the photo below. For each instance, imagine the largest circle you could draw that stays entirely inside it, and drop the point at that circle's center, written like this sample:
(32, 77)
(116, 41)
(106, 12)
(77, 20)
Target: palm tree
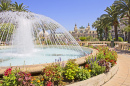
(98, 25)
(106, 24)
(113, 18)
(5, 6)
(124, 10)
(19, 7)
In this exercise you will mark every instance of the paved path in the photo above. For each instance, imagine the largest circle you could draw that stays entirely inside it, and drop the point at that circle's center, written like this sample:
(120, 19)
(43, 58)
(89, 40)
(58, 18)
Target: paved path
(122, 78)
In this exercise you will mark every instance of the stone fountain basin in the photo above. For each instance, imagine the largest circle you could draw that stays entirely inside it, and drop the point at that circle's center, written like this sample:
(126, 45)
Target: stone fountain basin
(37, 68)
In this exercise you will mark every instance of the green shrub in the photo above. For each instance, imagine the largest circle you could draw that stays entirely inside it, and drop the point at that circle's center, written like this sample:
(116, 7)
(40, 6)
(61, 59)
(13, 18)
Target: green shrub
(71, 69)
(96, 69)
(120, 39)
(82, 38)
(83, 74)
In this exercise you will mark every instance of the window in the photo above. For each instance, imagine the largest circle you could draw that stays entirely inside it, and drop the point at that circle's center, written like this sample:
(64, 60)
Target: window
(81, 31)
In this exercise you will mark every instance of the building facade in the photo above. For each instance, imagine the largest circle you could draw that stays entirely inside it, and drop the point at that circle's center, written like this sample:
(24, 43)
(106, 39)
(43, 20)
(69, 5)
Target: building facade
(83, 32)
(120, 32)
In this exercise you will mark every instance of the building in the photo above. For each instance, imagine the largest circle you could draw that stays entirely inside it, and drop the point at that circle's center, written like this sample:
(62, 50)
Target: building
(83, 32)
(120, 31)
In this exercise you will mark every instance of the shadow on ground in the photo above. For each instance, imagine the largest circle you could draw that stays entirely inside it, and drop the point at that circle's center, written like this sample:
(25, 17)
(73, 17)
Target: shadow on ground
(123, 52)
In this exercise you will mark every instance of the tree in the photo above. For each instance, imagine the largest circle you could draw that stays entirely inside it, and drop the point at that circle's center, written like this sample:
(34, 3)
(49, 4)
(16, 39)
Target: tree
(123, 7)
(113, 18)
(106, 24)
(19, 7)
(5, 6)
(98, 25)
(82, 38)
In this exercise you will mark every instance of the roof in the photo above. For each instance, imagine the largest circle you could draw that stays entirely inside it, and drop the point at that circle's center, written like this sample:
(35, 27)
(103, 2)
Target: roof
(81, 27)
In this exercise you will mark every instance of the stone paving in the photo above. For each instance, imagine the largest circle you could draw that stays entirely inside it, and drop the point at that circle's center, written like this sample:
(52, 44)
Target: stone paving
(122, 78)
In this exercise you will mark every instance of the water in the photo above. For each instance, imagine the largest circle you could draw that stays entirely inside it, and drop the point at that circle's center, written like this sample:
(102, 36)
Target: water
(38, 56)
(21, 31)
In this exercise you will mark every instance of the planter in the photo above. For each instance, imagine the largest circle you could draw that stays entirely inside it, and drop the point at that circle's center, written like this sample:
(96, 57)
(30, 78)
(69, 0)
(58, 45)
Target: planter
(97, 80)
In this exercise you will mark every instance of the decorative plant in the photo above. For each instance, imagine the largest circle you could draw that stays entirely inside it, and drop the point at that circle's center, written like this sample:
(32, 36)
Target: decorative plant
(83, 74)
(96, 69)
(23, 78)
(53, 73)
(38, 81)
(16, 78)
(103, 62)
(9, 78)
(71, 69)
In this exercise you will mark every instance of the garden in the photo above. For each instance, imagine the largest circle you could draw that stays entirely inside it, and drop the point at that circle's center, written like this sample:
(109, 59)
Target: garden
(60, 74)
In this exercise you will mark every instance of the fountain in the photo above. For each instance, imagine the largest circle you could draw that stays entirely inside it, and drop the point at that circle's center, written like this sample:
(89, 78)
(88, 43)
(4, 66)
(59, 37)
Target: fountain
(30, 38)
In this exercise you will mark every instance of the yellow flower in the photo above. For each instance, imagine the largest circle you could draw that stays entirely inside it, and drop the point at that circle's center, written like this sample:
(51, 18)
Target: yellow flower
(40, 85)
(90, 70)
(38, 81)
(31, 82)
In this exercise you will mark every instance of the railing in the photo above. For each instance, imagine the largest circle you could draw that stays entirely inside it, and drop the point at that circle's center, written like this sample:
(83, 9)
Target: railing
(118, 45)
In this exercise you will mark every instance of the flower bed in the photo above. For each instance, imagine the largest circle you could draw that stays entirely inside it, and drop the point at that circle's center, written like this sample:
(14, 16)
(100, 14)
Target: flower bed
(60, 74)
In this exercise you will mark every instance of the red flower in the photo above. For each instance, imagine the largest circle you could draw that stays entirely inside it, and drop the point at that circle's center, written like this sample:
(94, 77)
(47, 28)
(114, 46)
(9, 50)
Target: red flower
(29, 74)
(87, 65)
(7, 72)
(49, 83)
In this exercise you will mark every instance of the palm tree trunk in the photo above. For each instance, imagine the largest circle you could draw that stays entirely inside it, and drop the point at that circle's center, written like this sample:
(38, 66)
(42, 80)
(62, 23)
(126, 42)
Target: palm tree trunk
(106, 34)
(129, 32)
(128, 37)
(116, 34)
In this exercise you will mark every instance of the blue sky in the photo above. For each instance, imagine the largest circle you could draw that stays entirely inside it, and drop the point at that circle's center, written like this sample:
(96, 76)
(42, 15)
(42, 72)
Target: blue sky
(69, 12)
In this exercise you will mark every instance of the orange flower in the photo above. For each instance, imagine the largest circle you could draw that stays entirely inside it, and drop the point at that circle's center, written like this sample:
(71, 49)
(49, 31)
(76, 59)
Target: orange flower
(42, 79)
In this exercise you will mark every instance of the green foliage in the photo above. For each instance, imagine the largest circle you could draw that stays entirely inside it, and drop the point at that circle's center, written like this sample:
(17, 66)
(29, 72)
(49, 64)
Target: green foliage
(20, 7)
(9, 80)
(71, 69)
(82, 38)
(5, 6)
(96, 69)
(100, 55)
(6, 30)
(109, 37)
(16, 78)
(90, 38)
(127, 28)
(83, 74)
(120, 39)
